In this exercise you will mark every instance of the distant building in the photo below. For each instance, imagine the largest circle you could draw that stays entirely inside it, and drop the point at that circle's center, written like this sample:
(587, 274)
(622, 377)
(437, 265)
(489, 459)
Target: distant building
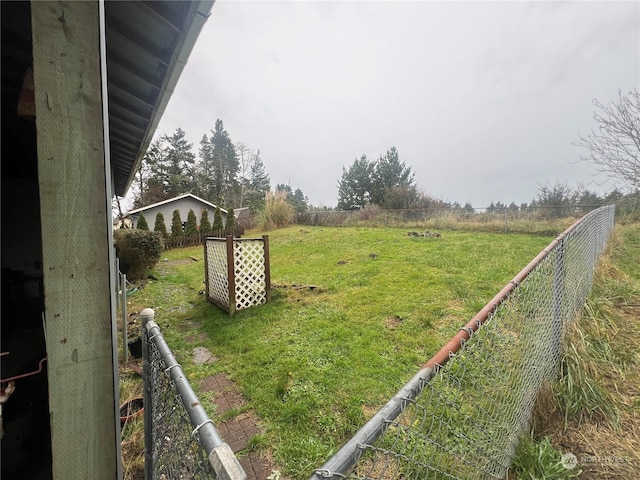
(182, 203)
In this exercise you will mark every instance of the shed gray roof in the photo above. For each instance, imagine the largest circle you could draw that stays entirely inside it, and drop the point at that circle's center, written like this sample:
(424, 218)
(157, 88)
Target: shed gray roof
(148, 44)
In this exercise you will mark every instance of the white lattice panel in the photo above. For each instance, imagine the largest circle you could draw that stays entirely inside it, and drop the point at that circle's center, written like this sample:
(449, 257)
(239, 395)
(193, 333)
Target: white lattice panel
(249, 267)
(218, 283)
(250, 275)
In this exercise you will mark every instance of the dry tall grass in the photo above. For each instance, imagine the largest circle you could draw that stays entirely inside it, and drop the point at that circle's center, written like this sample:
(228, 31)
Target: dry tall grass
(594, 411)
(276, 212)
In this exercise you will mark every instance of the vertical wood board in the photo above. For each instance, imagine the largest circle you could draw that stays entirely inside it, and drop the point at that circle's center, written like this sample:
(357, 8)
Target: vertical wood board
(71, 174)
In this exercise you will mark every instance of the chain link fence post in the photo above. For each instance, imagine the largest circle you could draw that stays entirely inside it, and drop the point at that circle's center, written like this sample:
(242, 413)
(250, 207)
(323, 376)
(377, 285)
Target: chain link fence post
(123, 310)
(181, 440)
(557, 294)
(147, 315)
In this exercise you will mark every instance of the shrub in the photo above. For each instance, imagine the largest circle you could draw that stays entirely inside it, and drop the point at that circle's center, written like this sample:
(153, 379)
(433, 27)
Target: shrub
(142, 223)
(276, 212)
(217, 220)
(160, 227)
(176, 224)
(231, 219)
(205, 225)
(138, 251)
(192, 224)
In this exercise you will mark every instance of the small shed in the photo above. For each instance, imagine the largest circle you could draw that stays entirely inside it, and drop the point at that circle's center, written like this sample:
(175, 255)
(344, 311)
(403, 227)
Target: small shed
(182, 203)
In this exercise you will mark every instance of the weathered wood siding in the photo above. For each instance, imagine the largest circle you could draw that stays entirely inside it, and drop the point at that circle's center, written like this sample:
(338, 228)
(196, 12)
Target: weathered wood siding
(71, 171)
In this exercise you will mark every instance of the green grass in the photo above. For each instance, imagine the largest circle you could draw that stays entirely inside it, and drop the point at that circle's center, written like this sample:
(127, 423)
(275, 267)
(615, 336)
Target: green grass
(314, 364)
(539, 460)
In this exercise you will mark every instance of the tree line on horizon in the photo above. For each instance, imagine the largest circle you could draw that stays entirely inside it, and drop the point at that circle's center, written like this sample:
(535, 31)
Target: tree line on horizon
(223, 173)
(232, 175)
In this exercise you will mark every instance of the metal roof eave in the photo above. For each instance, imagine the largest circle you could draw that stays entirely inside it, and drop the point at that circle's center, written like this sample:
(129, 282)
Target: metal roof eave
(198, 14)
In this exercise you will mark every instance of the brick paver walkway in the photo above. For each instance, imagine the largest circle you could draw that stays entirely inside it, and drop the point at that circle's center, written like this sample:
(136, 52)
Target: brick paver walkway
(237, 431)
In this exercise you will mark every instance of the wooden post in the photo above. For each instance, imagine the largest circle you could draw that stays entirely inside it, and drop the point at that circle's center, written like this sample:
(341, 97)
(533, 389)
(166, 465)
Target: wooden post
(267, 267)
(231, 275)
(75, 247)
(206, 268)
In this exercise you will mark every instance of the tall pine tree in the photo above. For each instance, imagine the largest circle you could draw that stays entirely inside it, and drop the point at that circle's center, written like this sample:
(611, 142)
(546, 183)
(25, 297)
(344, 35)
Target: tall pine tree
(389, 172)
(181, 164)
(258, 184)
(356, 184)
(219, 166)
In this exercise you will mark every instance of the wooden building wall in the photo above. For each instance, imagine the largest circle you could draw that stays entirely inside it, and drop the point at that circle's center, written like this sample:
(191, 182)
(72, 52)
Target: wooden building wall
(75, 230)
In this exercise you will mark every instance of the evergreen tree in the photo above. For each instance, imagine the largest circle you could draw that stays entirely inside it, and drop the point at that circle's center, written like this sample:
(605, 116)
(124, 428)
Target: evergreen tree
(205, 224)
(192, 224)
(176, 224)
(296, 199)
(167, 169)
(299, 201)
(160, 226)
(231, 219)
(219, 165)
(157, 181)
(180, 164)
(356, 184)
(142, 223)
(257, 184)
(389, 172)
(217, 220)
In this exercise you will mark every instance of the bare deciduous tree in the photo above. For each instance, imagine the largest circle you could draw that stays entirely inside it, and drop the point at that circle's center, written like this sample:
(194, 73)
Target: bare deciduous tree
(615, 145)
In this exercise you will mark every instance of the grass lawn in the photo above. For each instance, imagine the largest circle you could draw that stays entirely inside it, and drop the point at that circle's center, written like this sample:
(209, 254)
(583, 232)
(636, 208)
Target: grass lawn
(315, 364)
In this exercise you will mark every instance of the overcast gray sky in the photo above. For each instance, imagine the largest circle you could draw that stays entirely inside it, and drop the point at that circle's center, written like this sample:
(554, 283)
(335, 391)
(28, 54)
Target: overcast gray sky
(483, 100)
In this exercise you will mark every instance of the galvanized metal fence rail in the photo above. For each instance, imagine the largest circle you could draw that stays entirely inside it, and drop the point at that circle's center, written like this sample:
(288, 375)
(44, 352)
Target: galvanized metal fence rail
(462, 416)
(180, 439)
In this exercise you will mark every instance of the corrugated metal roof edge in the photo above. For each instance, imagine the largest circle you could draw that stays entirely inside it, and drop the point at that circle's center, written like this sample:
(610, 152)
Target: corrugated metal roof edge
(200, 12)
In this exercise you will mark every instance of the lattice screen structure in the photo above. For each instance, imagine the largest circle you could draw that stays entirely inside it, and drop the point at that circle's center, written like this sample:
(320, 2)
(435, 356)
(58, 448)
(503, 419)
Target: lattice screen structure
(463, 415)
(237, 272)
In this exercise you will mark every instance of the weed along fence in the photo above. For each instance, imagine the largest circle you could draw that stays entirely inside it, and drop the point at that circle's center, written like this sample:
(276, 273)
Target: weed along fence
(237, 272)
(180, 439)
(463, 414)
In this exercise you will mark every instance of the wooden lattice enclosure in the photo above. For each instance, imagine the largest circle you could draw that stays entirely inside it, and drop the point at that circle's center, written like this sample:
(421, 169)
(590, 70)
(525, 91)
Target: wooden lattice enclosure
(237, 272)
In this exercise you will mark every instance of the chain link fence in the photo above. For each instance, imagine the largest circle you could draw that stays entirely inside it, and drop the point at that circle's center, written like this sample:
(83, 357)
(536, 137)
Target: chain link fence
(462, 416)
(181, 442)
(443, 216)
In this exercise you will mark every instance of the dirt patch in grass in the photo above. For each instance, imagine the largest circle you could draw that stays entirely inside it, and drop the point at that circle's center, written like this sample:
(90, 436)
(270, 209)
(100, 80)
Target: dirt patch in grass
(181, 261)
(393, 322)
